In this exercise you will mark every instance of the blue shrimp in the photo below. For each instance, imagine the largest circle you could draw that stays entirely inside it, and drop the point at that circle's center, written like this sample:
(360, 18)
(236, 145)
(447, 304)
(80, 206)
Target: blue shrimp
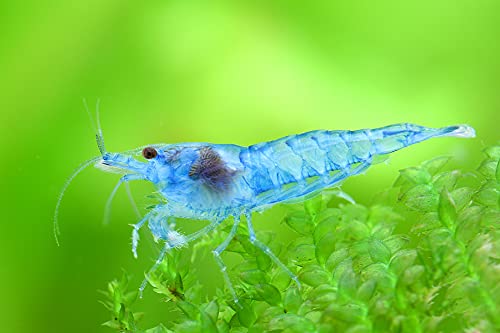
(205, 181)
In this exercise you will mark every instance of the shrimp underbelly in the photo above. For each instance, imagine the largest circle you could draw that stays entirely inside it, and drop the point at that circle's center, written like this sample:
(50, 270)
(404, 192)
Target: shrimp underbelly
(197, 200)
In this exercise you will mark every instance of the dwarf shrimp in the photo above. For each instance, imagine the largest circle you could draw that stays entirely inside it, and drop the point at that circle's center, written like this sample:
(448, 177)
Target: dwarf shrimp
(213, 182)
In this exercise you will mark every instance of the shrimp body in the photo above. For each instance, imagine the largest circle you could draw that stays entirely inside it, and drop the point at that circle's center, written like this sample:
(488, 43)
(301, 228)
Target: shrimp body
(241, 179)
(212, 182)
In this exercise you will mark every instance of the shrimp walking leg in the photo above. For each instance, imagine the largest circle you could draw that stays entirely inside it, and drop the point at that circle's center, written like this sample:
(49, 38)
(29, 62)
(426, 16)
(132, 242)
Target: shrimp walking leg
(135, 233)
(132, 201)
(158, 261)
(123, 179)
(160, 230)
(203, 231)
(264, 248)
(217, 252)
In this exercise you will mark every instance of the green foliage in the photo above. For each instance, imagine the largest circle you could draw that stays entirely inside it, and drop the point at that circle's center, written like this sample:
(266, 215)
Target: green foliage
(424, 257)
(118, 303)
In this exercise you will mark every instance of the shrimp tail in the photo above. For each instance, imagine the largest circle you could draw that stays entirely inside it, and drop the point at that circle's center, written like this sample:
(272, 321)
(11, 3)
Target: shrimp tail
(391, 138)
(459, 131)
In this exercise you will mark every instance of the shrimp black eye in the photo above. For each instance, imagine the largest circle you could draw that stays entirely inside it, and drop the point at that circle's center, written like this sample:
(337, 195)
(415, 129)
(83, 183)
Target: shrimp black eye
(149, 153)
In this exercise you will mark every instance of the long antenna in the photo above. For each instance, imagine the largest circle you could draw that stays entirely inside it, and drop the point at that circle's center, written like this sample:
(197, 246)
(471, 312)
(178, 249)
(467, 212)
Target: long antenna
(80, 168)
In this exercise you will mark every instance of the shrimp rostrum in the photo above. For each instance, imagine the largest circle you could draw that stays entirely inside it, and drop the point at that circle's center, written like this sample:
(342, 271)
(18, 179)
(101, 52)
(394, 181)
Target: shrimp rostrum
(205, 181)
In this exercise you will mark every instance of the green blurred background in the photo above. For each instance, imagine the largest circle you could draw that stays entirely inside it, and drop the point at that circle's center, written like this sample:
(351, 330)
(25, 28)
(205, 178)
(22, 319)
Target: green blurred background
(226, 72)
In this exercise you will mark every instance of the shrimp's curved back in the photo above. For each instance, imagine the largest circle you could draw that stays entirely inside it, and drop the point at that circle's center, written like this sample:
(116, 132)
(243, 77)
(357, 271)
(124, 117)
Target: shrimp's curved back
(297, 165)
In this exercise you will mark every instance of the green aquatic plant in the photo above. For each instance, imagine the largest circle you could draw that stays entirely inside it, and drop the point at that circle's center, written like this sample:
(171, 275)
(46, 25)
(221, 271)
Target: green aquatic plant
(425, 256)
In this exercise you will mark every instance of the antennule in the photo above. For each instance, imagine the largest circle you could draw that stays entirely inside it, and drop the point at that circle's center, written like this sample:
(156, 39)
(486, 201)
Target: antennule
(99, 136)
(97, 130)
